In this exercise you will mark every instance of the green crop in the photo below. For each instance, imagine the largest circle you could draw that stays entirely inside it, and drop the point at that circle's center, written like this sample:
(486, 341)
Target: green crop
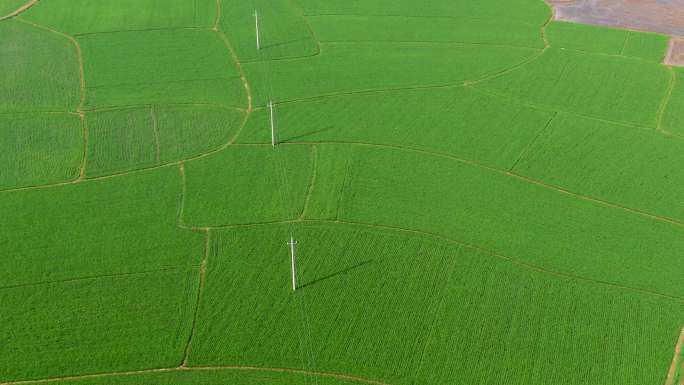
(479, 195)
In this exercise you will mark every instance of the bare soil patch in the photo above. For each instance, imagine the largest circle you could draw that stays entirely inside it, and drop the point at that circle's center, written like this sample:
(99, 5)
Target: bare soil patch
(675, 53)
(663, 16)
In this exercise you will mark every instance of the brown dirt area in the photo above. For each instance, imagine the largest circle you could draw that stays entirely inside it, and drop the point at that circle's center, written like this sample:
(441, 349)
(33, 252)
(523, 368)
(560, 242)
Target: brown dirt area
(675, 54)
(661, 16)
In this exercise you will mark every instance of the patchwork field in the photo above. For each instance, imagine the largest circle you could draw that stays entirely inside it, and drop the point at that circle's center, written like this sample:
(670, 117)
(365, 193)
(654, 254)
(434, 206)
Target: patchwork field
(479, 194)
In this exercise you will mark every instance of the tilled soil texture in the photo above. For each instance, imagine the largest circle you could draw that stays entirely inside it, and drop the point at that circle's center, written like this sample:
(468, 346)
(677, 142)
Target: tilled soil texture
(675, 54)
(663, 16)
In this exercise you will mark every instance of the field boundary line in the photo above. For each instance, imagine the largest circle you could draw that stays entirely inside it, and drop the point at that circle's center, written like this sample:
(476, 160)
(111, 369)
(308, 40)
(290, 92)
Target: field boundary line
(395, 15)
(530, 60)
(94, 277)
(503, 172)
(200, 286)
(312, 181)
(479, 165)
(234, 56)
(534, 140)
(82, 85)
(19, 10)
(675, 360)
(298, 9)
(155, 132)
(628, 36)
(177, 28)
(513, 260)
(340, 376)
(136, 171)
(181, 199)
(660, 114)
(452, 84)
(512, 100)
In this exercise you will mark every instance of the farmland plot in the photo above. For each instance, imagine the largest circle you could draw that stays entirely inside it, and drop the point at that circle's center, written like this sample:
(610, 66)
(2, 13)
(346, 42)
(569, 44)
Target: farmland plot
(39, 70)
(590, 85)
(359, 28)
(618, 42)
(523, 220)
(403, 308)
(160, 67)
(519, 11)
(136, 138)
(247, 184)
(213, 377)
(39, 149)
(385, 66)
(604, 160)
(110, 226)
(455, 120)
(77, 17)
(673, 117)
(284, 33)
(96, 325)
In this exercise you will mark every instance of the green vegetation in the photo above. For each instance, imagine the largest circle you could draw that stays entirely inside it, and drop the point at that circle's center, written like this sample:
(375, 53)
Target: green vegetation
(618, 42)
(159, 66)
(385, 66)
(9, 6)
(110, 226)
(243, 185)
(454, 120)
(359, 28)
(40, 149)
(479, 195)
(86, 17)
(214, 377)
(354, 278)
(38, 70)
(589, 85)
(83, 326)
(625, 155)
(283, 31)
(134, 138)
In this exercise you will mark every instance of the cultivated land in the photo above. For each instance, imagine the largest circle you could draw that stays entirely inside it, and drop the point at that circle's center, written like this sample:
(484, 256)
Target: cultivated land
(480, 194)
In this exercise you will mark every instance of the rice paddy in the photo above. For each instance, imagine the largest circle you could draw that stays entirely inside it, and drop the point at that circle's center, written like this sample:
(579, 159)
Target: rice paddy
(479, 194)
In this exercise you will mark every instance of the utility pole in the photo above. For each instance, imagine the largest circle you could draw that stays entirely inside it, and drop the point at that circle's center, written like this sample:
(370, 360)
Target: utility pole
(292, 244)
(256, 21)
(273, 135)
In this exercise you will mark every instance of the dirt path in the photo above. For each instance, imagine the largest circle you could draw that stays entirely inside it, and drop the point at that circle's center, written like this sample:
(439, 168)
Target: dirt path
(20, 10)
(339, 376)
(675, 360)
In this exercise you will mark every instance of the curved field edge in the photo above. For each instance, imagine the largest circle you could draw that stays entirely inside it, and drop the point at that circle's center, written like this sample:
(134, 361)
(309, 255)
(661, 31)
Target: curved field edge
(448, 300)
(12, 8)
(218, 375)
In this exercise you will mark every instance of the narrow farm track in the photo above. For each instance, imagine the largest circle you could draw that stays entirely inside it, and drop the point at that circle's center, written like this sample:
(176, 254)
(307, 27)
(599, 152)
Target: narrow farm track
(666, 100)
(534, 140)
(312, 183)
(155, 132)
(340, 376)
(243, 77)
(20, 10)
(200, 287)
(676, 362)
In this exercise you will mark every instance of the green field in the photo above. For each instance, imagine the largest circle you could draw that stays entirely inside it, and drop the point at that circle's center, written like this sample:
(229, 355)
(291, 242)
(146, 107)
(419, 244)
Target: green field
(480, 195)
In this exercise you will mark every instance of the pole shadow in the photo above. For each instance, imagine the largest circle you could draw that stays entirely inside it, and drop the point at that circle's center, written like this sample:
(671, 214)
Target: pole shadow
(337, 273)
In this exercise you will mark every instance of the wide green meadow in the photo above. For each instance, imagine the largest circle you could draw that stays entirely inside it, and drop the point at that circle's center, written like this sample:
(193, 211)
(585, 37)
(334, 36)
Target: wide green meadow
(479, 195)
